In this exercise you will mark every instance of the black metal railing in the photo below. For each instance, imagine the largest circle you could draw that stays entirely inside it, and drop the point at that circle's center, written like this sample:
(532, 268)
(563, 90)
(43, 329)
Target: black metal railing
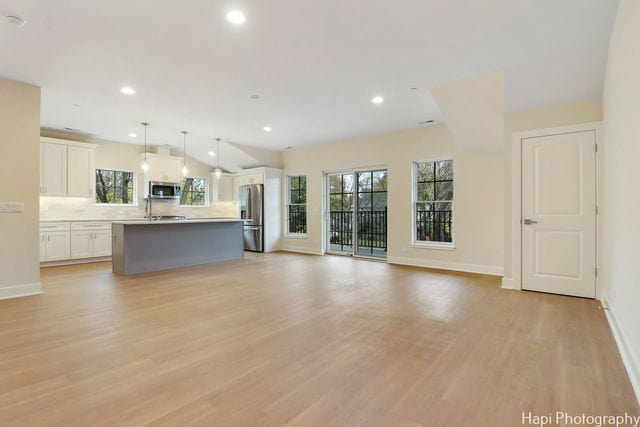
(434, 226)
(297, 220)
(372, 229)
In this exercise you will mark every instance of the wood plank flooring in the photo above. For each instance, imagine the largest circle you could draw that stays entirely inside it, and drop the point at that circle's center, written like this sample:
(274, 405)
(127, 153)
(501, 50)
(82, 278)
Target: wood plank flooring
(301, 340)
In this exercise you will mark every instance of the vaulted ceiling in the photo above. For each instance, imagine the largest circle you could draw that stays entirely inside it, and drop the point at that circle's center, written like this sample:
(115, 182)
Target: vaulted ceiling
(314, 64)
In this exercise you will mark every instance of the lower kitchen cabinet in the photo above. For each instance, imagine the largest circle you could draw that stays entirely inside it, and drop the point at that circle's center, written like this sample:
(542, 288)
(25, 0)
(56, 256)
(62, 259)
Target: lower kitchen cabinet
(56, 246)
(81, 244)
(90, 243)
(102, 244)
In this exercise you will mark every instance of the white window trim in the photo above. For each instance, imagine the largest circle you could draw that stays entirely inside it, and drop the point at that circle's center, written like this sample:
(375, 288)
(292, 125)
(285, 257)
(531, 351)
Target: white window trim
(117, 205)
(288, 203)
(444, 246)
(206, 193)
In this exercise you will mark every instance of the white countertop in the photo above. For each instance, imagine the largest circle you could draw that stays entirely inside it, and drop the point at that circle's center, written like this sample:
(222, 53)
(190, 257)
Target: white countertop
(179, 221)
(130, 220)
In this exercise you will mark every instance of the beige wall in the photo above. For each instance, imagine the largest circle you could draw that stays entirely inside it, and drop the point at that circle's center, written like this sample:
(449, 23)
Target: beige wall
(115, 155)
(621, 269)
(478, 204)
(541, 118)
(20, 178)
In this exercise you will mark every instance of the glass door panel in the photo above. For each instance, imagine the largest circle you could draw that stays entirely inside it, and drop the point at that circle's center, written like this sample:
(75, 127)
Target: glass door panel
(340, 204)
(371, 218)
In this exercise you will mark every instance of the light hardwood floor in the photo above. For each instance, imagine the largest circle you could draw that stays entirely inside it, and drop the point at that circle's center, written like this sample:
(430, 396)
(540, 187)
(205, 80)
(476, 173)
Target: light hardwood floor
(306, 340)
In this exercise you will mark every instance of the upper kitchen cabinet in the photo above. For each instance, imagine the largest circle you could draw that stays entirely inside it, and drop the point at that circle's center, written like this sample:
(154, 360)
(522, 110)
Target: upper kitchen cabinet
(163, 168)
(66, 168)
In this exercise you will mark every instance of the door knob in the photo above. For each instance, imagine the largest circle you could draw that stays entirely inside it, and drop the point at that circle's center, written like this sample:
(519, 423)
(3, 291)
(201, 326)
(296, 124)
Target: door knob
(529, 221)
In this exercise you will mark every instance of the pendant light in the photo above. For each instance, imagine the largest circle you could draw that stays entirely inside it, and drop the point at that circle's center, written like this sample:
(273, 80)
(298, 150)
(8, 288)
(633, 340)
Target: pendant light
(185, 169)
(145, 164)
(218, 171)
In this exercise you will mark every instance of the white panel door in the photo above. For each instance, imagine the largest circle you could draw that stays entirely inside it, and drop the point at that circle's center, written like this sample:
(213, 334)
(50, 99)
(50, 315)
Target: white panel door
(559, 214)
(102, 243)
(57, 246)
(81, 244)
(80, 172)
(54, 169)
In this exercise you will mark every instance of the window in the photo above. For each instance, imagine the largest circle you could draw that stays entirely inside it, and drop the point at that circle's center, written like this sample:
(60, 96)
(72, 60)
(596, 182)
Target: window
(297, 204)
(115, 187)
(433, 202)
(193, 191)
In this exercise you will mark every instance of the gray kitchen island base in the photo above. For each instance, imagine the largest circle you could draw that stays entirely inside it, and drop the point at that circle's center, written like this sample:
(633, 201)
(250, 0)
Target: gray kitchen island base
(141, 247)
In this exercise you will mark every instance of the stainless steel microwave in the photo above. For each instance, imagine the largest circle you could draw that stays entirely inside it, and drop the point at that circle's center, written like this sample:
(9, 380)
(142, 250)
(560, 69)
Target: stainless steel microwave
(164, 190)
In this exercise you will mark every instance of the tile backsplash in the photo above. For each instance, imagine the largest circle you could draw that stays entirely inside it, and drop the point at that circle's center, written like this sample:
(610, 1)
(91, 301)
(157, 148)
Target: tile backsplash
(53, 208)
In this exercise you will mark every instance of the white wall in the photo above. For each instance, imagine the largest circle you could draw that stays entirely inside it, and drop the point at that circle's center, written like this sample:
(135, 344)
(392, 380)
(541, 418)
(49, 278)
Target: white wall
(478, 205)
(20, 178)
(115, 155)
(621, 208)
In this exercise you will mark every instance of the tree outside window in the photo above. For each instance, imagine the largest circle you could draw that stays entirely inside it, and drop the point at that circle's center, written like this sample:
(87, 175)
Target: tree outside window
(193, 191)
(115, 187)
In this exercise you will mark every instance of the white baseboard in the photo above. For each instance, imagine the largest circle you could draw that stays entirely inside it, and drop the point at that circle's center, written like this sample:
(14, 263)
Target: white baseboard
(509, 283)
(45, 264)
(302, 249)
(630, 363)
(20, 290)
(492, 270)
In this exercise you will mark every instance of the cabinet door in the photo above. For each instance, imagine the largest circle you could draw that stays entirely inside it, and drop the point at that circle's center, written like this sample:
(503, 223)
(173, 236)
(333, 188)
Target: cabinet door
(173, 169)
(57, 246)
(156, 168)
(80, 174)
(225, 188)
(43, 246)
(102, 243)
(81, 244)
(54, 169)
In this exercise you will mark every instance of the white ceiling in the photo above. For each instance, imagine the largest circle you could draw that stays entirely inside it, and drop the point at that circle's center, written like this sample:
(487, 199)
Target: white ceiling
(315, 64)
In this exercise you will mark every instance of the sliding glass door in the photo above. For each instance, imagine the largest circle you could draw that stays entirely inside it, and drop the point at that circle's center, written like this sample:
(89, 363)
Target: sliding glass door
(357, 213)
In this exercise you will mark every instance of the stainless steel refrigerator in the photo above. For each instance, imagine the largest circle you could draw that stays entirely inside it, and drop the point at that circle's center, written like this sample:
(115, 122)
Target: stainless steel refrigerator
(251, 211)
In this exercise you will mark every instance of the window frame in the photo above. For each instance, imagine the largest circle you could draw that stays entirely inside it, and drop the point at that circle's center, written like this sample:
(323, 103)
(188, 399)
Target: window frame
(206, 192)
(288, 203)
(449, 246)
(135, 188)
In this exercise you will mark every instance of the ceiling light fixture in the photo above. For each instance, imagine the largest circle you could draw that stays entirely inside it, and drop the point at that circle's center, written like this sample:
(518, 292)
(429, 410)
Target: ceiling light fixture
(212, 153)
(127, 90)
(377, 100)
(145, 165)
(16, 20)
(185, 169)
(267, 129)
(218, 171)
(133, 135)
(236, 17)
(255, 96)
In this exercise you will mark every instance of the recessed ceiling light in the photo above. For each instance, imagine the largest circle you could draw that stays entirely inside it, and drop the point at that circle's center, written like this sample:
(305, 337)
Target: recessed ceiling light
(413, 88)
(69, 129)
(212, 153)
(267, 129)
(288, 148)
(426, 122)
(75, 105)
(16, 20)
(127, 90)
(377, 100)
(133, 135)
(255, 96)
(236, 17)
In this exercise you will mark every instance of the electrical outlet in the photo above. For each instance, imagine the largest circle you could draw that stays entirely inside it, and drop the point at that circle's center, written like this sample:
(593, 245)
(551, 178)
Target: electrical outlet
(6, 207)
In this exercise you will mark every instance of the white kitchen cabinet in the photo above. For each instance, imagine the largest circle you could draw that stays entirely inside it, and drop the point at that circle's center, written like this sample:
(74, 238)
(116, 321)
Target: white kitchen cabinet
(66, 168)
(164, 168)
(221, 188)
(102, 244)
(57, 246)
(80, 172)
(54, 170)
(43, 246)
(90, 239)
(81, 244)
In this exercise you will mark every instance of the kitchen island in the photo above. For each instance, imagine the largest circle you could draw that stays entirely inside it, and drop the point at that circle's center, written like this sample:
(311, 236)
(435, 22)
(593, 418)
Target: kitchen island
(145, 246)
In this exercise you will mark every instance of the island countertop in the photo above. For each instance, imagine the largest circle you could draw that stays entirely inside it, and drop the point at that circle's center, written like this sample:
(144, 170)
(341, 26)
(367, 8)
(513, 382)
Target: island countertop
(178, 221)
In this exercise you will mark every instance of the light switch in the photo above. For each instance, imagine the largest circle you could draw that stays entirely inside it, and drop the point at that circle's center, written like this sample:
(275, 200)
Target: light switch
(11, 207)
